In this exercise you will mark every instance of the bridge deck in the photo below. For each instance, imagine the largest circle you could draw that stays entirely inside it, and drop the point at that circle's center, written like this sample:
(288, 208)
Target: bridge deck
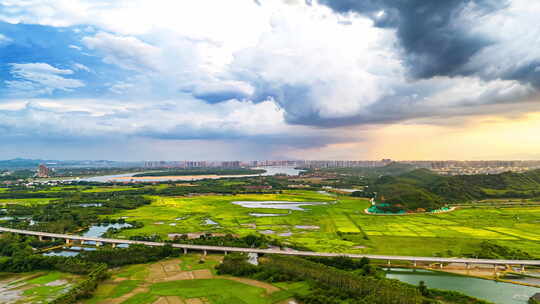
(278, 251)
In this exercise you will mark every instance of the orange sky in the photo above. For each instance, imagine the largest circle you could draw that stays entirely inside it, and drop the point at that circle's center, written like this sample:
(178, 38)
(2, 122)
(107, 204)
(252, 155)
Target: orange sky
(487, 137)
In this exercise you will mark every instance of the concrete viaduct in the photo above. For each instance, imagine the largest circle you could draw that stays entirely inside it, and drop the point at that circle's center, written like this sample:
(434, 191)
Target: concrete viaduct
(413, 259)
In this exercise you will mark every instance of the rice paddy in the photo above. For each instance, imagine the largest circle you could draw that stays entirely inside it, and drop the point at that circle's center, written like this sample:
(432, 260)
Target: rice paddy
(339, 225)
(35, 287)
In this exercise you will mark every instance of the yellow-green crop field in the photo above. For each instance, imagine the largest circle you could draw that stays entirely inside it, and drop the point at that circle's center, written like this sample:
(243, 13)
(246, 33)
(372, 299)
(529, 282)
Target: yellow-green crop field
(26, 201)
(340, 225)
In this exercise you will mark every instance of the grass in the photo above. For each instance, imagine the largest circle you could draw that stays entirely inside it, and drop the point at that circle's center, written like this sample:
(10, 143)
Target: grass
(191, 262)
(123, 288)
(49, 277)
(153, 285)
(343, 226)
(141, 298)
(216, 290)
(26, 201)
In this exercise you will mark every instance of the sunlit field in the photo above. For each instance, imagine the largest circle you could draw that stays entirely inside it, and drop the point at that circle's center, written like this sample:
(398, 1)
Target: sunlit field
(340, 225)
(189, 278)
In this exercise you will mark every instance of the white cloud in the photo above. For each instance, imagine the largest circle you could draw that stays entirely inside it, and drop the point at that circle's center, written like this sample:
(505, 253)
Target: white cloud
(127, 52)
(515, 34)
(175, 119)
(4, 40)
(81, 67)
(34, 79)
(316, 64)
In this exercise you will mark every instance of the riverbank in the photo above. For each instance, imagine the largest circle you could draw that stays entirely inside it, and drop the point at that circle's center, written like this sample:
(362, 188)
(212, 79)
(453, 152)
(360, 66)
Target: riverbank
(486, 273)
(496, 291)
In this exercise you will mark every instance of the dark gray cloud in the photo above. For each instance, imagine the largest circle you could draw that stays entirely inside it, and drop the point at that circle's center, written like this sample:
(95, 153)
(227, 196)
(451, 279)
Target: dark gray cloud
(434, 37)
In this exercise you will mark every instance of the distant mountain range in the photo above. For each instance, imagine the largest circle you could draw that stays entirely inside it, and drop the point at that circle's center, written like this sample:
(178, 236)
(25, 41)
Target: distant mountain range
(24, 163)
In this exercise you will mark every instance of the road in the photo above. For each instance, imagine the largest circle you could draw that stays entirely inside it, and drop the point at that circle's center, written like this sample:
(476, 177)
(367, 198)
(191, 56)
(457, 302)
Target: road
(204, 248)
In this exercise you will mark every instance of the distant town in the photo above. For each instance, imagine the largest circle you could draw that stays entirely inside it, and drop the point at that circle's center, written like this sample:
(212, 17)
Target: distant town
(49, 168)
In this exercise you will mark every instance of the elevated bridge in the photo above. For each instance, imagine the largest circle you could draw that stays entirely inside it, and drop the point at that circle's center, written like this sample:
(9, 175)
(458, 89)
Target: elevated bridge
(203, 248)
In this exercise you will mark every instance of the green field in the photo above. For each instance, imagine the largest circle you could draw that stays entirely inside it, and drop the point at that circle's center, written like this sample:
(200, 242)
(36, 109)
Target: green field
(176, 280)
(342, 225)
(35, 287)
(26, 201)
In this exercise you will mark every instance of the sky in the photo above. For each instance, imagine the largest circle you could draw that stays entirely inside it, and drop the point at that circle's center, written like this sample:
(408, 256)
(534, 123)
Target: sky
(269, 79)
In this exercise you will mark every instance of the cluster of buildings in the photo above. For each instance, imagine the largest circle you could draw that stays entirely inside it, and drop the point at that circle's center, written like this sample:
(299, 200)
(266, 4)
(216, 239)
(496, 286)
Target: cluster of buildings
(187, 164)
(43, 171)
(268, 163)
(451, 167)
(445, 167)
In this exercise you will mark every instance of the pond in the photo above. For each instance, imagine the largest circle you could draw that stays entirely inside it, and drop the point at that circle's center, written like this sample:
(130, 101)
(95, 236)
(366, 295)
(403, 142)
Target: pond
(99, 230)
(266, 214)
(496, 292)
(277, 204)
(210, 222)
(85, 205)
(93, 231)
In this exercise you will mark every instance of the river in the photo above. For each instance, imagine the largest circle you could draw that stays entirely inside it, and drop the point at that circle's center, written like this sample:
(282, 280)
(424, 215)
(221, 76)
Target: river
(125, 177)
(496, 292)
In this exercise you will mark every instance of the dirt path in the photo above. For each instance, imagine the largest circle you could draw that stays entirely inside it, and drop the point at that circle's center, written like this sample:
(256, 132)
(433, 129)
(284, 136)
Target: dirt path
(169, 300)
(170, 270)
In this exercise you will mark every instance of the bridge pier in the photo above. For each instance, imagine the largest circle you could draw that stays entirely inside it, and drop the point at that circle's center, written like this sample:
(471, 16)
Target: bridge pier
(40, 237)
(70, 240)
(113, 245)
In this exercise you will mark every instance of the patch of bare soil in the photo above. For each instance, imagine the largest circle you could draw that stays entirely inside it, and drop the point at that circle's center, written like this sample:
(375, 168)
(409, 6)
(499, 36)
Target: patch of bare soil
(269, 288)
(185, 275)
(161, 300)
(174, 300)
(196, 301)
(202, 274)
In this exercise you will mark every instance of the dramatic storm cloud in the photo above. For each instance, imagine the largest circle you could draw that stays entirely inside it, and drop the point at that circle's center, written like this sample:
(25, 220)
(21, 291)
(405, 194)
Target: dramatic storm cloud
(435, 35)
(269, 78)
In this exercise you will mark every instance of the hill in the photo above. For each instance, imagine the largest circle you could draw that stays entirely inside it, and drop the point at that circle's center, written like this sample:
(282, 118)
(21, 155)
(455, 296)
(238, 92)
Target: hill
(425, 189)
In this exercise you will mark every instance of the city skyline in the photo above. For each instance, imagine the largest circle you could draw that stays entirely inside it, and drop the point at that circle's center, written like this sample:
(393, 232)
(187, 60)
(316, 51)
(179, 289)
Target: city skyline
(269, 79)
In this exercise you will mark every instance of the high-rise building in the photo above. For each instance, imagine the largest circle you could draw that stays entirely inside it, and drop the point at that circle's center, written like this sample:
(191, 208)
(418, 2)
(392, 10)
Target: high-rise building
(43, 171)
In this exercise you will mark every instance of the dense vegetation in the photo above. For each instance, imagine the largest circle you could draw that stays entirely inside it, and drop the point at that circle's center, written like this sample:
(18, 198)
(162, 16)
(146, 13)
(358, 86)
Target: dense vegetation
(339, 280)
(69, 214)
(490, 250)
(17, 255)
(229, 240)
(202, 171)
(424, 189)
